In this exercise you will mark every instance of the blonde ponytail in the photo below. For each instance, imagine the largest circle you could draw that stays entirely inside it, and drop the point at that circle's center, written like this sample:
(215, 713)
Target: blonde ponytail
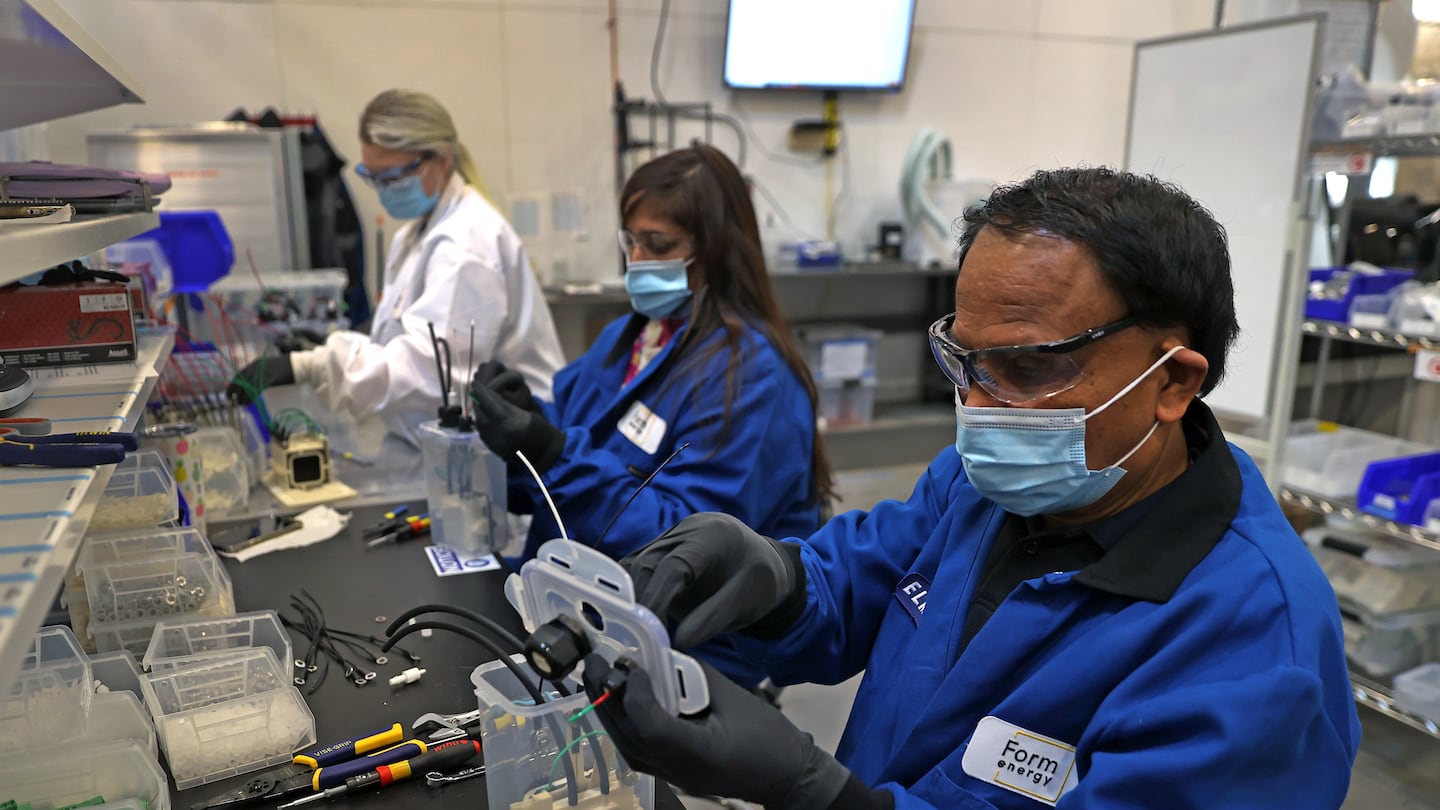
(411, 121)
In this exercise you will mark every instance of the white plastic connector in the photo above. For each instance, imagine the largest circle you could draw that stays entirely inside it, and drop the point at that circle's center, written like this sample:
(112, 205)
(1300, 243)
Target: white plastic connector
(410, 675)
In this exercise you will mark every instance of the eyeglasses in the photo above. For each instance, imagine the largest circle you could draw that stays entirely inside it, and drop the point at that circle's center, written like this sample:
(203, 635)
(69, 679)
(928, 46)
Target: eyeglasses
(1015, 375)
(386, 177)
(651, 243)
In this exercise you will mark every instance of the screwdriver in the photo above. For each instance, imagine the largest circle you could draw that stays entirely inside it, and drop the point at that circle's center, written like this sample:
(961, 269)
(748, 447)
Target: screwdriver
(413, 528)
(442, 757)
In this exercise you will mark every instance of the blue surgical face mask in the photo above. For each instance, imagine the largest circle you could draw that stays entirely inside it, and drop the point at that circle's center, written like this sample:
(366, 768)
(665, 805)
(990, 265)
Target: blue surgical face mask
(657, 287)
(406, 198)
(1031, 461)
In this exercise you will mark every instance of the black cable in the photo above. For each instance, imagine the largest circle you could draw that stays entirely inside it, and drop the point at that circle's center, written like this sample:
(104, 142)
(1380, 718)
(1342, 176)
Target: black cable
(744, 119)
(439, 369)
(655, 52)
(484, 621)
(535, 694)
(638, 490)
(510, 638)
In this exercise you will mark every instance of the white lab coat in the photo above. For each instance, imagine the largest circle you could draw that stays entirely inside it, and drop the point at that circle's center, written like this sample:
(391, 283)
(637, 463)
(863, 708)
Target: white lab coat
(468, 265)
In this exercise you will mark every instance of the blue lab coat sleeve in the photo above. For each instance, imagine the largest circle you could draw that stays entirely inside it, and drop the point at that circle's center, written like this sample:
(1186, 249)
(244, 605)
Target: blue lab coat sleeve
(851, 567)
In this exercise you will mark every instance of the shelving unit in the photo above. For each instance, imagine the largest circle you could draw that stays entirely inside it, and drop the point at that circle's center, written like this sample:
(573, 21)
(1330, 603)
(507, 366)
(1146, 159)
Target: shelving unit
(1370, 337)
(59, 70)
(44, 511)
(1368, 693)
(31, 248)
(1423, 145)
(1346, 509)
(1377, 698)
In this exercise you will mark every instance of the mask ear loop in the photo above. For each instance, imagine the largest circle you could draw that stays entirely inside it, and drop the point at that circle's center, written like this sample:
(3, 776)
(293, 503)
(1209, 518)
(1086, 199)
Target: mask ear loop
(1131, 387)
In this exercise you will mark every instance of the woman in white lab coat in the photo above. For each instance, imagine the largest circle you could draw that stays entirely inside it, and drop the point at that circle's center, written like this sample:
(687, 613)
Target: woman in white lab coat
(455, 262)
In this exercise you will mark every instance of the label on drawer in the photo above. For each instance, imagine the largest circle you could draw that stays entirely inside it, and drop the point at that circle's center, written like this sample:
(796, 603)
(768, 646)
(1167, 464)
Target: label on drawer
(1427, 365)
(107, 302)
(1383, 501)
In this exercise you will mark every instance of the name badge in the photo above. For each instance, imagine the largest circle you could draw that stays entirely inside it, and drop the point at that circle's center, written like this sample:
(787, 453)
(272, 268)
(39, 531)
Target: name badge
(1020, 761)
(642, 427)
(911, 593)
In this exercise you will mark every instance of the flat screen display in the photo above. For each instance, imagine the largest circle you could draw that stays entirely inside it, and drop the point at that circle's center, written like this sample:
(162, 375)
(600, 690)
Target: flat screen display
(818, 44)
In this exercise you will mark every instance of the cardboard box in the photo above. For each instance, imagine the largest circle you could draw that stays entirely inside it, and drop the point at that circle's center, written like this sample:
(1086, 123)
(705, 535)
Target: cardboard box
(67, 324)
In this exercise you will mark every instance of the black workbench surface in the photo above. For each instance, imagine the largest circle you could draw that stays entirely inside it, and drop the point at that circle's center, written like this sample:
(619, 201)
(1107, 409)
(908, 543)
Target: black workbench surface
(356, 587)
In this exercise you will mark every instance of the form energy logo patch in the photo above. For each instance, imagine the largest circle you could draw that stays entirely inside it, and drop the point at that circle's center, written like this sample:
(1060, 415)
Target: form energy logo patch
(1008, 756)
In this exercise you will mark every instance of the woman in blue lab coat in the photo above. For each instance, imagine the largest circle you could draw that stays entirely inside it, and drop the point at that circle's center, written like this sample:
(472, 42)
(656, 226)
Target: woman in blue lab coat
(706, 359)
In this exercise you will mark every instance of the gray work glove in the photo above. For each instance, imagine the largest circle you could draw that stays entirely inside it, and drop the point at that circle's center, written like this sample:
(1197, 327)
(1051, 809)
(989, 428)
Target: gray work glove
(740, 746)
(712, 574)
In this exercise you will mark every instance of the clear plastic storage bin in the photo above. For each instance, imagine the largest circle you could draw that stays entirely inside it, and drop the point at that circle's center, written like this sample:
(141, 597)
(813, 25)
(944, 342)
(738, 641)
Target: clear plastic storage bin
(42, 707)
(116, 671)
(839, 353)
(1418, 691)
(225, 469)
(465, 490)
(118, 716)
(141, 494)
(227, 715)
(51, 693)
(118, 771)
(846, 403)
(1367, 585)
(1381, 646)
(1331, 460)
(529, 747)
(192, 639)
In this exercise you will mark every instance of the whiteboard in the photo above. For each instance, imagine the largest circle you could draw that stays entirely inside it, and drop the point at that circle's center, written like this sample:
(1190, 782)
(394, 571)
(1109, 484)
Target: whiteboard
(1226, 115)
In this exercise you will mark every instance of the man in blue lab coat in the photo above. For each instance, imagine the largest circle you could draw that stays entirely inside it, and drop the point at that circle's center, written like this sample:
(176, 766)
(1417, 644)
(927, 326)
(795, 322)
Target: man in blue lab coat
(1092, 600)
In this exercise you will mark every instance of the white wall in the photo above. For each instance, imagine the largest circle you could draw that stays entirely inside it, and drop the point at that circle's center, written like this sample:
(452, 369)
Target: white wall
(1018, 85)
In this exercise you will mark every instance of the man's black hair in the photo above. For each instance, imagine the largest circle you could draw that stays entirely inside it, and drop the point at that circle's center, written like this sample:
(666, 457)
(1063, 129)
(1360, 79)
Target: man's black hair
(1157, 248)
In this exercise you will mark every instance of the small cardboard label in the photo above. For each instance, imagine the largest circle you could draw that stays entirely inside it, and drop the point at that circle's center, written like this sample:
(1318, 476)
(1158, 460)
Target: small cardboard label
(448, 563)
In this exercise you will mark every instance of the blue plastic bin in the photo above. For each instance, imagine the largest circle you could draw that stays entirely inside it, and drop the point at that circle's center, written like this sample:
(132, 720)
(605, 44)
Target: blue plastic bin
(1400, 489)
(1361, 284)
(197, 246)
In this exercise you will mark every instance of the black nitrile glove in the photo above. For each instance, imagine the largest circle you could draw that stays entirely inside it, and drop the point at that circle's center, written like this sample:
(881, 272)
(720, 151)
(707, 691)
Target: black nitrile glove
(740, 746)
(299, 340)
(510, 385)
(268, 371)
(712, 574)
(506, 429)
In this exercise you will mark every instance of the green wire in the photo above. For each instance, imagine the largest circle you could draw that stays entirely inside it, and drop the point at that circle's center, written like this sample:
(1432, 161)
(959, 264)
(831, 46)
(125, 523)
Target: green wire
(550, 786)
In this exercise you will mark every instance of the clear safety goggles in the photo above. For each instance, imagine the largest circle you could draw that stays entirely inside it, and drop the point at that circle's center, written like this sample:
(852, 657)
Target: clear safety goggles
(394, 174)
(1015, 375)
(652, 243)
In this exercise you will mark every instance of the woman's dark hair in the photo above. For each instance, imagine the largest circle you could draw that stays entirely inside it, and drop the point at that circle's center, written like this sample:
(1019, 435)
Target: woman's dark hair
(703, 193)
(1157, 248)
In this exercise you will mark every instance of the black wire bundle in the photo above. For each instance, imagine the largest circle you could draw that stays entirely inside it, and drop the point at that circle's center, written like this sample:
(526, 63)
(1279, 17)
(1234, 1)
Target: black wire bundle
(402, 627)
(327, 640)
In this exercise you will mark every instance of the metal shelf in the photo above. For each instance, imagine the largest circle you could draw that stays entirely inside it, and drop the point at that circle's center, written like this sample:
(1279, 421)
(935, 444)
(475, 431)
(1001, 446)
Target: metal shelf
(31, 248)
(1421, 145)
(1377, 698)
(1347, 509)
(1369, 337)
(44, 511)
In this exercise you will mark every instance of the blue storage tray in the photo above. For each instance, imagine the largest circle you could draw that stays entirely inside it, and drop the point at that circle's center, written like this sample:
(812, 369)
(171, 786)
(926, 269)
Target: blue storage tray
(1400, 489)
(197, 246)
(1326, 310)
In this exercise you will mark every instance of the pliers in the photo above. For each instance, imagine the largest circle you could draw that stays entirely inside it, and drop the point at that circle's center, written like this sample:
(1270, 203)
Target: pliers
(64, 449)
(445, 726)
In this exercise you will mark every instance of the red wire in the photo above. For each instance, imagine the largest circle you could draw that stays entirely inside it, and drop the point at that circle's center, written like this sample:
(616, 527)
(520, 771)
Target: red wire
(253, 269)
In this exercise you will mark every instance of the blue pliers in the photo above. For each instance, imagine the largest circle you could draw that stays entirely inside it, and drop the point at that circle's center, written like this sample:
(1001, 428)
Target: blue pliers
(64, 449)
